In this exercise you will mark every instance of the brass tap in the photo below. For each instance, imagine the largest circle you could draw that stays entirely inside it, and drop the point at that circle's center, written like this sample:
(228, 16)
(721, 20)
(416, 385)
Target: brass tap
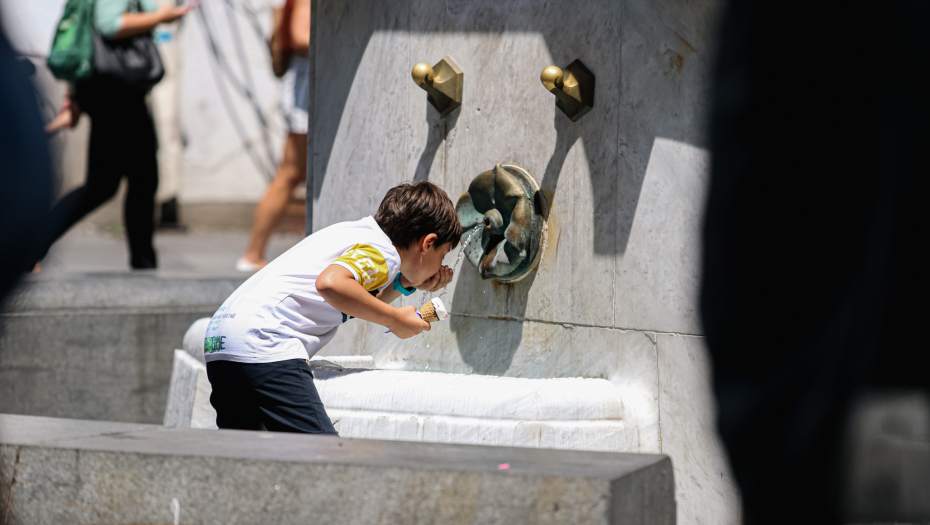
(573, 88)
(443, 83)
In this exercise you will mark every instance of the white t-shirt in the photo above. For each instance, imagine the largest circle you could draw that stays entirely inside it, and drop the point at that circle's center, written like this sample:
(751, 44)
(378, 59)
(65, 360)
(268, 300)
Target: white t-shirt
(278, 314)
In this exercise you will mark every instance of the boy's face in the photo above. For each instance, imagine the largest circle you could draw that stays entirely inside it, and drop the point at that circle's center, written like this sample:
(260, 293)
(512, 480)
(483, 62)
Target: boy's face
(422, 260)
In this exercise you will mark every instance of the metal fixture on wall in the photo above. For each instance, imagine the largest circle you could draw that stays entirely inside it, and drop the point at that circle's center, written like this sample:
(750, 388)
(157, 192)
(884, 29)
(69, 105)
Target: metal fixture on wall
(504, 209)
(443, 82)
(573, 88)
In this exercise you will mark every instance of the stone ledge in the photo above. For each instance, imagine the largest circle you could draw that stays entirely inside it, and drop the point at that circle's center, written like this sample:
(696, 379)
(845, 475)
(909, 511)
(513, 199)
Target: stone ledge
(117, 292)
(67, 471)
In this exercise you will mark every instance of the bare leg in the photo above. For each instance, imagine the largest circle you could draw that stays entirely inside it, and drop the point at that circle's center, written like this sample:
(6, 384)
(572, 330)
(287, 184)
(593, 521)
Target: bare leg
(291, 172)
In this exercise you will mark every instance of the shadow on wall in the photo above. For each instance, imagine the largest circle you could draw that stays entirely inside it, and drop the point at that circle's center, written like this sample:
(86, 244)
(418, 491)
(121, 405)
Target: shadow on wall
(627, 98)
(488, 343)
(439, 128)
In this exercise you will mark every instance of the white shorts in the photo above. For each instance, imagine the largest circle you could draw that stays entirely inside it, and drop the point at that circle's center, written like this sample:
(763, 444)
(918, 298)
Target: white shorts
(295, 94)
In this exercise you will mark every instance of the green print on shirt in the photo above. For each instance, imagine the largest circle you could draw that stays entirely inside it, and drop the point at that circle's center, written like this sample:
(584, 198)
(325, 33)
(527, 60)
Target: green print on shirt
(213, 344)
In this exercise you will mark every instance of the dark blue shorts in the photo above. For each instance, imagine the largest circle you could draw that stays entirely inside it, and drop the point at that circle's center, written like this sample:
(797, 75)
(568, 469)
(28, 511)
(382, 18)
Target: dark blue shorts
(279, 397)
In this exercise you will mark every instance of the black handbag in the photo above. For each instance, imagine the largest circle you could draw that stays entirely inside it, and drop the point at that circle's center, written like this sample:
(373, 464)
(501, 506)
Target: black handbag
(133, 61)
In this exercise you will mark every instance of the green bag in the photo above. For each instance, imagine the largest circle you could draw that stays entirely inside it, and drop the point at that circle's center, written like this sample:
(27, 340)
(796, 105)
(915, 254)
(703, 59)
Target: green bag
(72, 55)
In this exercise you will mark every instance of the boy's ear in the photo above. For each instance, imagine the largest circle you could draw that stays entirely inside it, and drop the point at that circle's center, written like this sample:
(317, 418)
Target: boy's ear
(428, 241)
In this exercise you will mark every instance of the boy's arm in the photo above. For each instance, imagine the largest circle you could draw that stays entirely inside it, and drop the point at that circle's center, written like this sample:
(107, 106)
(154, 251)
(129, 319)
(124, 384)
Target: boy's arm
(339, 288)
(388, 295)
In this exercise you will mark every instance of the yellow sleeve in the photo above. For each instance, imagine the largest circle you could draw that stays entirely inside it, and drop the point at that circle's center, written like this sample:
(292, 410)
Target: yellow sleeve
(368, 265)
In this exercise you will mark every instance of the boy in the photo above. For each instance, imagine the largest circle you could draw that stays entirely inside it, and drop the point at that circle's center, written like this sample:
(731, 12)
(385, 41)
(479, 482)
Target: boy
(258, 344)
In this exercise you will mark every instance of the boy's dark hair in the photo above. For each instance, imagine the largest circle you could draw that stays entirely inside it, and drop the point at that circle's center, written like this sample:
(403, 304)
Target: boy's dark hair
(410, 211)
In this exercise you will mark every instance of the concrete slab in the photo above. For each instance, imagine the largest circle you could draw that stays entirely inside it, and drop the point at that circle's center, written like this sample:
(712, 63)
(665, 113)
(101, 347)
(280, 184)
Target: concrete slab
(117, 292)
(162, 475)
(98, 346)
(22, 430)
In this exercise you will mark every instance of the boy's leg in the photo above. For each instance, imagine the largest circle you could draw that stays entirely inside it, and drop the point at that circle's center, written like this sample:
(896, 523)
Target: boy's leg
(286, 398)
(234, 404)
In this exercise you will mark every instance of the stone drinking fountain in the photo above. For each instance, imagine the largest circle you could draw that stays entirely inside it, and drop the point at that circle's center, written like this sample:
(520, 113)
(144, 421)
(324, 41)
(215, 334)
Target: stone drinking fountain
(504, 217)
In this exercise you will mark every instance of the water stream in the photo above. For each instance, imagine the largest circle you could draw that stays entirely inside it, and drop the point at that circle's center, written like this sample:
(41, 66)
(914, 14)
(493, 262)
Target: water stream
(465, 245)
(459, 258)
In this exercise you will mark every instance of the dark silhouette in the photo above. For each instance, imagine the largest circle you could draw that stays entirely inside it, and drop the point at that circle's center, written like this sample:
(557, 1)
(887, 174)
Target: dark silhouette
(25, 172)
(813, 279)
(25, 187)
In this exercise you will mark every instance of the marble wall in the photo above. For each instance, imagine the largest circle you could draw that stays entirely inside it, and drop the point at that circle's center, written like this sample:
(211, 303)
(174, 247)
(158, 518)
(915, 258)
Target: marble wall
(227, 103)
(615, 296)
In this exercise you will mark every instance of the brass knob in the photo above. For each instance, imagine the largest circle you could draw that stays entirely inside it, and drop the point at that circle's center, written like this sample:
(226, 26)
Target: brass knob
(552, 78)
(573, 88)
(423, 75)
(442, 83)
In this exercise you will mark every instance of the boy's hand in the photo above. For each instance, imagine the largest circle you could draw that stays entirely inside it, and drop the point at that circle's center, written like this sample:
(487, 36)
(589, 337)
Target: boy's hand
(407, 323)
(438, 281)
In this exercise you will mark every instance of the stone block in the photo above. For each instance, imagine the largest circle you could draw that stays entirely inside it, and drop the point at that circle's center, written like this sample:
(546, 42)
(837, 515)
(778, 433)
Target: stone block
(98, 347)
(160, 475)
(181, 390)
(117, 291)
(189, 394)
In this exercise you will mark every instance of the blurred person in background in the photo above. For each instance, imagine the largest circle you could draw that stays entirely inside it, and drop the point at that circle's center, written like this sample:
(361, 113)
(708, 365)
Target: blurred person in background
(122, 135)
(814, 275)
(289, 47)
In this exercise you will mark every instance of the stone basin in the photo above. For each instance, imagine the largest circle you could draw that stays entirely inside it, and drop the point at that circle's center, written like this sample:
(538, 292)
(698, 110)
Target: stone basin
(565, 413)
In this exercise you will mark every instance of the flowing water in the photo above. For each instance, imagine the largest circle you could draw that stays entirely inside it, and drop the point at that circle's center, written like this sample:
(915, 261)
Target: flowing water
(461, 253)
(465, 245)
